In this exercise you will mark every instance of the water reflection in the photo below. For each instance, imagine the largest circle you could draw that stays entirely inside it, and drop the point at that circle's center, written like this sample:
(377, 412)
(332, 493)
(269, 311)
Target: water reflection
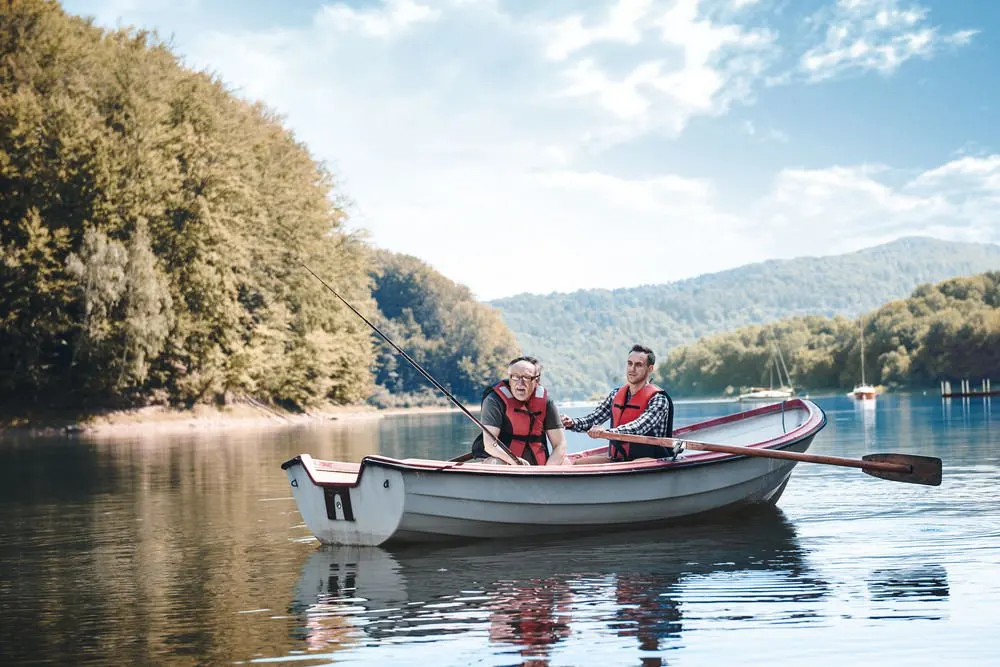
(532, 615)
(647, 611)
(188, 549)
(866, 412)
(533, 595)
(909, 593)
(967, 408)
(124, 549)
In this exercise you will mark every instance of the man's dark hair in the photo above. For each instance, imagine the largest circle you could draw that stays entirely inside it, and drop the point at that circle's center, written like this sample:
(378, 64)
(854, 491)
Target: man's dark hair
(650, 357)
(538, 365)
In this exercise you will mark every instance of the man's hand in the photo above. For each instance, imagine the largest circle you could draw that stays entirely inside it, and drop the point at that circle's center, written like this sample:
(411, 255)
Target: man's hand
(596, 431)
(567, 422)
(558, 459)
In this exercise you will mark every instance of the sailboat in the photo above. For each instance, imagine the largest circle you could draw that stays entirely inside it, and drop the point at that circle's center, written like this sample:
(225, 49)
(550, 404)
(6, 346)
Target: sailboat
(771, 395)
(863, 391)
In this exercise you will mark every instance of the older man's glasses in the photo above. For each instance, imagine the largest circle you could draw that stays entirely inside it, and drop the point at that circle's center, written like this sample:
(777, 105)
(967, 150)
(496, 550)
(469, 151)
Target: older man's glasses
(514, 378)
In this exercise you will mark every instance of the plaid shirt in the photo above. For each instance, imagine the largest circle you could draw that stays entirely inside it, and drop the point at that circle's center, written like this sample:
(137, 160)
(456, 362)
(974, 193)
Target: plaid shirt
(653, 420)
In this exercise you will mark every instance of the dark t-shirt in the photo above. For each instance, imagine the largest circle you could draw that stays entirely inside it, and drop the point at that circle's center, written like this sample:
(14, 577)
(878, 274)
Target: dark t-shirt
(493, 412)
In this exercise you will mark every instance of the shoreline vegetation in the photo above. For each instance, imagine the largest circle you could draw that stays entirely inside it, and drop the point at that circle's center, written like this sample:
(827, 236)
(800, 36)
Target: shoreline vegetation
(241, 414)
(152, 420)
(244, 414)
(156, 420)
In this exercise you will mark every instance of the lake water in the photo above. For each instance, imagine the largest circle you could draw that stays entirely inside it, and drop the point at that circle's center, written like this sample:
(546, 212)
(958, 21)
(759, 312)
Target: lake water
(188, 549)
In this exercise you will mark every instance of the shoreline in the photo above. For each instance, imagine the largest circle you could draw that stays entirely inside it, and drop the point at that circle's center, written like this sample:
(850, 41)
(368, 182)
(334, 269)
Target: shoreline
(159, 419)
(240, 415)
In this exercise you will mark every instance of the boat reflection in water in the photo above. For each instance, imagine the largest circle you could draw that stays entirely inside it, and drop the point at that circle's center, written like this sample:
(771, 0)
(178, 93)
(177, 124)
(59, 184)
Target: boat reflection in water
(531, 595)
(867, 412)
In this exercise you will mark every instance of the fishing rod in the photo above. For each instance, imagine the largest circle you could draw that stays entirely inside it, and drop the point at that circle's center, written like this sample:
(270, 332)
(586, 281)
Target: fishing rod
(513, 460)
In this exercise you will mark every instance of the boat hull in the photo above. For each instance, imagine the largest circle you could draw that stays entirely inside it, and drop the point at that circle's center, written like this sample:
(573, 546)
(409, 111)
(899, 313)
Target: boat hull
(412, 500)
(864, 392)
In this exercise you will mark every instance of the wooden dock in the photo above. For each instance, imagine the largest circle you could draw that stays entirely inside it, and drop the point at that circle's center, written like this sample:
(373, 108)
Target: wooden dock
(966, 390)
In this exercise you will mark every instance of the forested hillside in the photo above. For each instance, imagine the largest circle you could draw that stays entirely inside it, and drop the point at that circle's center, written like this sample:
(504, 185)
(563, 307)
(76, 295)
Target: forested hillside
(583, 337)
(462, 343)
(946, 331)
(152, 229)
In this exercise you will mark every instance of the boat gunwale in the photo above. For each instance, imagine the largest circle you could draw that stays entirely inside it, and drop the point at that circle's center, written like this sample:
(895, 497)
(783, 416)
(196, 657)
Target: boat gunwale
(816, 419)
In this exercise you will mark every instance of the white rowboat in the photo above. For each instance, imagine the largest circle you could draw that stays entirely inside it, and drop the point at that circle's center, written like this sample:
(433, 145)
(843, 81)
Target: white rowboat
(384, 499)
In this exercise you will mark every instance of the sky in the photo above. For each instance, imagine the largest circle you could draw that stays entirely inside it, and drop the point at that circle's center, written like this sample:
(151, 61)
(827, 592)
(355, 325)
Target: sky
(528, 146)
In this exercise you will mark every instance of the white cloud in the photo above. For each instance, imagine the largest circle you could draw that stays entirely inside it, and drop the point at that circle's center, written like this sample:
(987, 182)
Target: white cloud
(461, 131)
(698, 67)
(841, 209)
(766, 135)
(878, 35)
(623, 99)
(963, 174)
(110, 12)
(393, 17)
(592, 229)
(569, 35)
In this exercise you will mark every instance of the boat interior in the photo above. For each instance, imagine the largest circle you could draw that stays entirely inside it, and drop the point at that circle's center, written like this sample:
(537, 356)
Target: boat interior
(765, 426)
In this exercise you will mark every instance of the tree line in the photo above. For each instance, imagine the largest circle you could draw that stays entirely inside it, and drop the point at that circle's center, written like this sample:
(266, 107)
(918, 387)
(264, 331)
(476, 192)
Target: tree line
(460, 342)
(154, 230)
(584, 335)
(949, 330)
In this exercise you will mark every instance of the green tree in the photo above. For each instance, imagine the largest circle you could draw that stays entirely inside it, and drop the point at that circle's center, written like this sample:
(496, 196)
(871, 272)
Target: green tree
(153, 231)
(462, 343)
(949, 330)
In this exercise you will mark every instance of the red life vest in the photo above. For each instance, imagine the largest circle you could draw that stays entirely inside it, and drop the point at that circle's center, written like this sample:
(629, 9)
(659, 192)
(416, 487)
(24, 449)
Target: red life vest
(622, 412)
(523, 429)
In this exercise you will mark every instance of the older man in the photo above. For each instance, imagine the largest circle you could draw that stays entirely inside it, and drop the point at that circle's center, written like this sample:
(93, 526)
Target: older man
(519, 412)
(638, 407)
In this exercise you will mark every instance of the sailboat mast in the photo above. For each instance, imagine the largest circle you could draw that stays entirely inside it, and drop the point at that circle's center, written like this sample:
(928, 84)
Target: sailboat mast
(781, 357)
(862, 339)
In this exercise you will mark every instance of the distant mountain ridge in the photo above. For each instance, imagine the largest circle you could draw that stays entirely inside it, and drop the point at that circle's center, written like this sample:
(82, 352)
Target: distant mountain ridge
(582, 337)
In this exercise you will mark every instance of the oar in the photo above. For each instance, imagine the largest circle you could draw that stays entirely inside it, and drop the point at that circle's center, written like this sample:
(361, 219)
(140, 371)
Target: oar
(893, 467)
(495, 447)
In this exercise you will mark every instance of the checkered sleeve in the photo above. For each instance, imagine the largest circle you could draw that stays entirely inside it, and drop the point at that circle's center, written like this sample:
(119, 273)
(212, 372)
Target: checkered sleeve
(601, 414)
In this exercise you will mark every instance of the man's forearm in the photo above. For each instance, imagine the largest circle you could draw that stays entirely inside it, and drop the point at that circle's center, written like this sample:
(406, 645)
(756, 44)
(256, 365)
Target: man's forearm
(600, 414)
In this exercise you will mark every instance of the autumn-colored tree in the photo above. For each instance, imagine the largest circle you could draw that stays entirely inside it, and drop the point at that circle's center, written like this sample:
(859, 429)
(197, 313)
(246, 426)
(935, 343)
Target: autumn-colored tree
(153, 229)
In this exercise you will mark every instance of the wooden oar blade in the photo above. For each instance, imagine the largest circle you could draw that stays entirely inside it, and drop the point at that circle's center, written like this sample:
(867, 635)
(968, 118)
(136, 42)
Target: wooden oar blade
(923, 469)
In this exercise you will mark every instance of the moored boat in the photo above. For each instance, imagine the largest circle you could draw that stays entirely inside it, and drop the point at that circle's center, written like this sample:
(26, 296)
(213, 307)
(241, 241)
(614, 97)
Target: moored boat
(758, 395)
(772, 393)
(864, 392)
(385, 500)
